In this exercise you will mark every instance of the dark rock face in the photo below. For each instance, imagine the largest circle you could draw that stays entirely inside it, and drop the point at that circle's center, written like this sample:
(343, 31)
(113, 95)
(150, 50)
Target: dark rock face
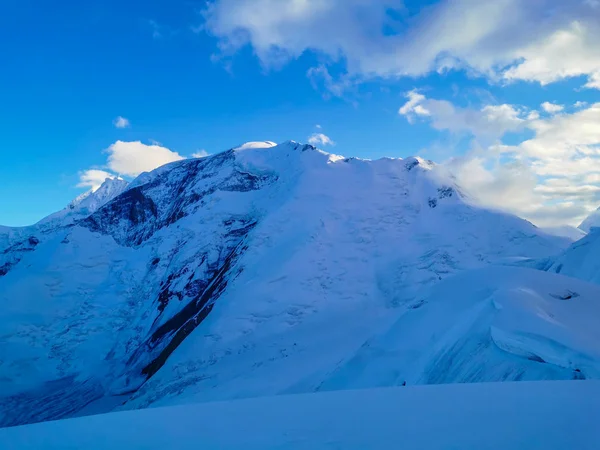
(134, 216)
(411, 165)
(189, 288)
(204, 292)
(204, 280)
(11, 256)
(445, 192)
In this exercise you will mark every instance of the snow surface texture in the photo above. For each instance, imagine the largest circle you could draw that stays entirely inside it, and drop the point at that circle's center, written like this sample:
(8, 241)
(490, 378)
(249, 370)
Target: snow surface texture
(541, 415)
(270, 270)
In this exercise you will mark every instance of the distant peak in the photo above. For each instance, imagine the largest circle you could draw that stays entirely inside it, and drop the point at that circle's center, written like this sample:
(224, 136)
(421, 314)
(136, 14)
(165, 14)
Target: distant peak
(87, 203)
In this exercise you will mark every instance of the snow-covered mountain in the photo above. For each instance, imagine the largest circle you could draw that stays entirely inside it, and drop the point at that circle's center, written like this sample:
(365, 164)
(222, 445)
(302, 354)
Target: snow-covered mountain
(269, 269)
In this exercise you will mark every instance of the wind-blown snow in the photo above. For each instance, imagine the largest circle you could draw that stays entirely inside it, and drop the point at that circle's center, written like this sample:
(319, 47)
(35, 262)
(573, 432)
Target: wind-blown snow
(541, 415)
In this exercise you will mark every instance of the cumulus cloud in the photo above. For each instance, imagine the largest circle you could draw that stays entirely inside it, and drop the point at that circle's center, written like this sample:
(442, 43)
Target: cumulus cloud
(569, 137)
(567, 52)
(551, 179)
(93, 178)
(320, 139)
(414, 106)
(133, 158)
(552, 108)
(501, 39)
(487, 123)
(128, 159)
(121, 122)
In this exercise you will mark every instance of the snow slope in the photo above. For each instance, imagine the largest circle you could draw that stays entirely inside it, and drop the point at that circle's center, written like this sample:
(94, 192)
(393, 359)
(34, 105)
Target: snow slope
(540, 415)
(593, 220)
(580, 260)
(567, 231)
(492, 324)
(255, 271)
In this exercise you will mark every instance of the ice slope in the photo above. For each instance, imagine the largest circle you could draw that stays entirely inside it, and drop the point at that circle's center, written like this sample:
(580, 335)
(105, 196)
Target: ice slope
(580, 260)
(593, 220)
(250, 272)
(538, 415)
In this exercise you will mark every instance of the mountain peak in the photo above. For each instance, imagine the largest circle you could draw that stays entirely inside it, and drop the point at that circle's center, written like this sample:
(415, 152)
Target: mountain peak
(592, 221)
(87, 203)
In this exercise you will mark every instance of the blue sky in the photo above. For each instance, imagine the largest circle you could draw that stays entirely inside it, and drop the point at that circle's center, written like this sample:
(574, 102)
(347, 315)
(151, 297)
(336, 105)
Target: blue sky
(190, 77)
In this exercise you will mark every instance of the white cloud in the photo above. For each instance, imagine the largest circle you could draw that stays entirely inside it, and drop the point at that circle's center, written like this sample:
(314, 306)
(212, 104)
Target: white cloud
(568, 136)
(487, 123)
(552, 108)
(200, 154)
(515, 188)
(580, 104)
(507, 186)
(320, 139)
(542, 40)
(567, 52)
(321, 79)
(93, 178)
(414, 106)
(551, 179)
(318, 127)
(133, 158)
(256, 144)
(121, 122)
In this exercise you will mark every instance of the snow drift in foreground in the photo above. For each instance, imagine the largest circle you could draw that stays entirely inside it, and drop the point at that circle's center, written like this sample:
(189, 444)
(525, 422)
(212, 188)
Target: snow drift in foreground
(538, 415)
